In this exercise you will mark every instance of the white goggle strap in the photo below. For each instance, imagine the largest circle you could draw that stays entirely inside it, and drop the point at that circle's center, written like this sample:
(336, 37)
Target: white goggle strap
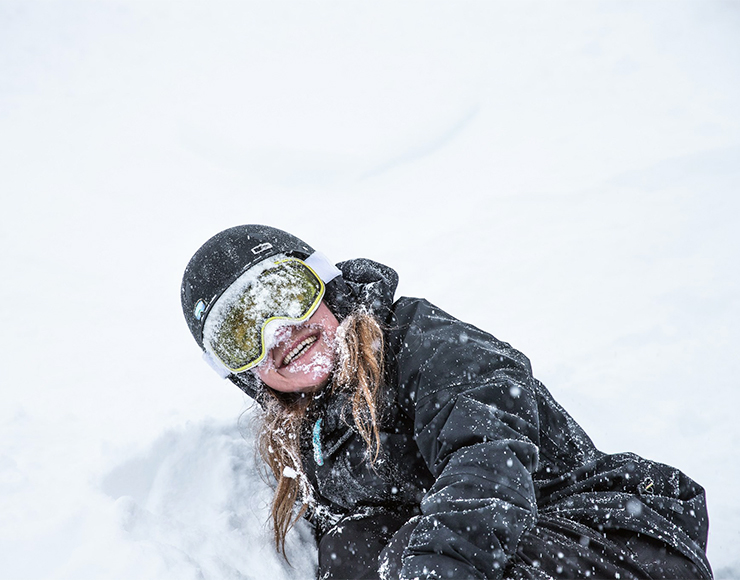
(320, 264)
(216, 365)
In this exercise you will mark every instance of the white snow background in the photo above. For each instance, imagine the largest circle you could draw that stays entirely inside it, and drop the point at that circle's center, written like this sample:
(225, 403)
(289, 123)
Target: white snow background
(562, 174)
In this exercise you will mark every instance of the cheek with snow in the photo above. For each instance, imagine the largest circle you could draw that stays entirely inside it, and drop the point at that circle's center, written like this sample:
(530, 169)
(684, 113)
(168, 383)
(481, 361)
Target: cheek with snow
(317, 365)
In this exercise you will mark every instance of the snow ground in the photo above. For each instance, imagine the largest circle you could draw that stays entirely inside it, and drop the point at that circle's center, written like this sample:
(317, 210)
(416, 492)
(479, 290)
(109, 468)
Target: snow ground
(563, 174)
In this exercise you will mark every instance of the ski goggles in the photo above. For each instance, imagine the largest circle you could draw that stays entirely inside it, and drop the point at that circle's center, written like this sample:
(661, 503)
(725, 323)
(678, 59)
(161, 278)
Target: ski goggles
(280, 288)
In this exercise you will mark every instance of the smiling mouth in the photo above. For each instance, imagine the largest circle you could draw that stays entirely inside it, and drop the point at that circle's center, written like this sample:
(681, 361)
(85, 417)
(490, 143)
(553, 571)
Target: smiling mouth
(299, 350)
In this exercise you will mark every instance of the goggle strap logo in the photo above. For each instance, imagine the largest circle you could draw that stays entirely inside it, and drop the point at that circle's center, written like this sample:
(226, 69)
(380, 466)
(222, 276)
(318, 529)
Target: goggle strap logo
(200, 308)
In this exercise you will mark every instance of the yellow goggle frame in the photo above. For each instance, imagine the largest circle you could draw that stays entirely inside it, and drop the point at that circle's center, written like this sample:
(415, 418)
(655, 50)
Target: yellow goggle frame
(278, 289)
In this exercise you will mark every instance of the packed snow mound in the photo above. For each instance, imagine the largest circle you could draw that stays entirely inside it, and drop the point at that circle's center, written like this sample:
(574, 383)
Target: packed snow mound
(192, 506)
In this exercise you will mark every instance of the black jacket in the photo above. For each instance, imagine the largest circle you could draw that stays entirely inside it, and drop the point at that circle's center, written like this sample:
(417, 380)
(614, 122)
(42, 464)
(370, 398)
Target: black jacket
(477, 456)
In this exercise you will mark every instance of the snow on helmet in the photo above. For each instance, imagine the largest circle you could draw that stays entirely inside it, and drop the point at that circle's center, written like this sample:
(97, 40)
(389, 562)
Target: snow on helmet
(225, 257)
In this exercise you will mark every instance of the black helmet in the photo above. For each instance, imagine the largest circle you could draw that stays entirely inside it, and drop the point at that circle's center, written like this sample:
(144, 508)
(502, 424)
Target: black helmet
(227, 255)
(222, 259)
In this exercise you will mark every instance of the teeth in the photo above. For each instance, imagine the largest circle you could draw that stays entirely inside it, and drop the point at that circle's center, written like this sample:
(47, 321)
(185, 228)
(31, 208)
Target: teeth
(304, 344)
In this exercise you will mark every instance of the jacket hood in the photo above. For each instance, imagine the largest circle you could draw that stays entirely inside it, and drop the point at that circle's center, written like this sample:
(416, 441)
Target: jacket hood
(363, 284)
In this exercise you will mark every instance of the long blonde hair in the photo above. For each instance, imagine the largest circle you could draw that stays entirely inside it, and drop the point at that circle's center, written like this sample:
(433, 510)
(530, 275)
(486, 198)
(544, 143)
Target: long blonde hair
(359, 373)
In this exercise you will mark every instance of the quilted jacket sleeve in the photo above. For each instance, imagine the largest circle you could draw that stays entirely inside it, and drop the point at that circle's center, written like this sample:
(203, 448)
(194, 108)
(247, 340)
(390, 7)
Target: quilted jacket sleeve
(476, 425)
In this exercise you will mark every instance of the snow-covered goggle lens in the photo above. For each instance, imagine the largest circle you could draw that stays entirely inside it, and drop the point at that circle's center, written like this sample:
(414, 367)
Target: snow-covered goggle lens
(235, 328)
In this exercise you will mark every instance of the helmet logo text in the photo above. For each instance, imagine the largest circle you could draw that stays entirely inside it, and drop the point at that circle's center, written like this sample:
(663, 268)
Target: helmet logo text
(261, 248)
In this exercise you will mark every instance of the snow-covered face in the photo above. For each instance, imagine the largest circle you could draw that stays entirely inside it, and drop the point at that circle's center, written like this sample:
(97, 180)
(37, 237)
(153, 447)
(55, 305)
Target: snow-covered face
(303, 355)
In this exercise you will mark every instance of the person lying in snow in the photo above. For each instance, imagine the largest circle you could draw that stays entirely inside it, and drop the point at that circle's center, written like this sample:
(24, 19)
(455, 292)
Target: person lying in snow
(417, 445)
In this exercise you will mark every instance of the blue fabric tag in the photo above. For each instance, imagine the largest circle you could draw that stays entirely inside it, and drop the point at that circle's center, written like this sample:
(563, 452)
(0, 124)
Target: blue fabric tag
(318, 455)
